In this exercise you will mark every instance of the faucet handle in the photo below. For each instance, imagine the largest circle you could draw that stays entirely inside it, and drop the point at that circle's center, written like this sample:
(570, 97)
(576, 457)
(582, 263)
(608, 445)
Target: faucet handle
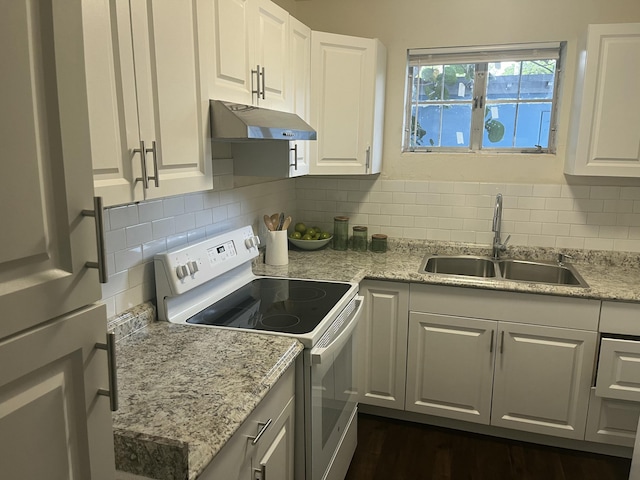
(562, 257)
(503, 245)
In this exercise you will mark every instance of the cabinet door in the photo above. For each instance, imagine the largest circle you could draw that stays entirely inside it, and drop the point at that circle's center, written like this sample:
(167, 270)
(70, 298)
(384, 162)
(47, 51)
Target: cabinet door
(274, 457)
(542, 379)
(173, 99)
(382, 344)
(46, 178)
(450, 366)
(605, 133)
(53, 423)
(344, 71)
(230, 53)
(112, 102)
(300, 51)
(272, 53)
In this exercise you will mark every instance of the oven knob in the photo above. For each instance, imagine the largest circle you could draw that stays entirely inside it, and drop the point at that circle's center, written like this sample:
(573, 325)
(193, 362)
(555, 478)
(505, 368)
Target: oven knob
(252, 242)
(193, 267)
(180, 272)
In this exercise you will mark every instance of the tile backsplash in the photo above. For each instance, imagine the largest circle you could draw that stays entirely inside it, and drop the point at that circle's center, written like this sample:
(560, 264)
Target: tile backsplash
(561, 216)
(135, 233)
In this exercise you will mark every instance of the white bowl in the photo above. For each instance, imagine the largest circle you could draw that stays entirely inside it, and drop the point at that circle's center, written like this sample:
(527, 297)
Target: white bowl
(310, 244)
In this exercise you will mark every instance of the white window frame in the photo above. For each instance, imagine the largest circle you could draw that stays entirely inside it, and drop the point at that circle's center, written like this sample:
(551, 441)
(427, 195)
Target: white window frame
(481, 56)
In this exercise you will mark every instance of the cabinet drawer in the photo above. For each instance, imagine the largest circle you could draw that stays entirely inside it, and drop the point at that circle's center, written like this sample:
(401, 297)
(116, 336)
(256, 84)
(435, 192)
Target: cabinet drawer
(620, 317)
(612, 421)
(619, 369)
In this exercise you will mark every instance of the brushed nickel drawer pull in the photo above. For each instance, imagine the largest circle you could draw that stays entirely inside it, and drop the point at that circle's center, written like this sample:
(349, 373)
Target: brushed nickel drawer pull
(256, 439)
(112, 393)
(101, 264)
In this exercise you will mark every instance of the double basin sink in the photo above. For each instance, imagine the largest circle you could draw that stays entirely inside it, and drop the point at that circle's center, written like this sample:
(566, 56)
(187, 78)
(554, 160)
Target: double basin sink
(503, 269)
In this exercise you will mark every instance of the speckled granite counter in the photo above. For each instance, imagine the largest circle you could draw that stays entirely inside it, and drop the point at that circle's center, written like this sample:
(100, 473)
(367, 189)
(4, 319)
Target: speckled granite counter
(611, 276)
(185, 390)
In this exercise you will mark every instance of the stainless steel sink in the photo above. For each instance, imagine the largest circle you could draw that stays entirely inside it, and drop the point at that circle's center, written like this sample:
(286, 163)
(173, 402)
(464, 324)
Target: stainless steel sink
(461, 265)
(540, 272)
(506, 269)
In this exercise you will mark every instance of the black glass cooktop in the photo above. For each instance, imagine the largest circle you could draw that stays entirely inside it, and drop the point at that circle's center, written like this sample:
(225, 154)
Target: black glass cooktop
(275, 305)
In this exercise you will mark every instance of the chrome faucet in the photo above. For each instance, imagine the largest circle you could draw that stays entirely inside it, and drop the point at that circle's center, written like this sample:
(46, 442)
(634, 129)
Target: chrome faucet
(498, 245)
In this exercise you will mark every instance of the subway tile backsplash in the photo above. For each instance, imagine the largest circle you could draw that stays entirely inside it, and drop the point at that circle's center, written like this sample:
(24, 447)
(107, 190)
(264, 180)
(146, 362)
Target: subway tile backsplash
(561, 216)
(135, 233)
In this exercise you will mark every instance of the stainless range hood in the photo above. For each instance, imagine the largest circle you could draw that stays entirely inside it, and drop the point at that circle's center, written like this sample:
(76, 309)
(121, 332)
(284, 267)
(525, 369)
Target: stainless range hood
(234, 122)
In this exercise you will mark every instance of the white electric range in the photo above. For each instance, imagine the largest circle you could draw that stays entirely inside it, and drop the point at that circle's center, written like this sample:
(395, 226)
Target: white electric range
(211, 284)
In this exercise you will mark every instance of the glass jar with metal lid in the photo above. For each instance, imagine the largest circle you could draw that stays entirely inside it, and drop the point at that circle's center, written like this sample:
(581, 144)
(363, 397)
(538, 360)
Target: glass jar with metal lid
(340, 233)
(359, 241)
(379, 242)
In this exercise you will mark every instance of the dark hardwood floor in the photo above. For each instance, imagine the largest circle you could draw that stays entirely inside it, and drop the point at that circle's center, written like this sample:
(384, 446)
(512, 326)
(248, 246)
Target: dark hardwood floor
(395, 450)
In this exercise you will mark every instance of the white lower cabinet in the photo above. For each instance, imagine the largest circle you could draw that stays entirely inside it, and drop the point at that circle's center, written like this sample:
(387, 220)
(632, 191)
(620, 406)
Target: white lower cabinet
(527, 377)
(450, 366)
(263, 446)
(542, 379)
(505, 359)
(383, 343)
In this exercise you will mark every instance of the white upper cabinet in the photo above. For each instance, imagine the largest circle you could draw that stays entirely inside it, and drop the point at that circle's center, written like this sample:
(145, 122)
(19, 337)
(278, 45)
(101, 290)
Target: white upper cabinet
(604, 136)
(300, 57)
(230, 52)
(347, 104)
(148, 101)
(249, 53)
(53, 422)
(46, 178)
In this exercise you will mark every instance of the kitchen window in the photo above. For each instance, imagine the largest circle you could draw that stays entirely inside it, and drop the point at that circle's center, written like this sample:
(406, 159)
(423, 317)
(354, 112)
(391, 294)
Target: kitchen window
(491, 98)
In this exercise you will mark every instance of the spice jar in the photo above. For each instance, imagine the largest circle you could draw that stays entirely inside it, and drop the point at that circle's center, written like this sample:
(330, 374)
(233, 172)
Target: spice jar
(340, 233)
(359, 242)
(379, 242)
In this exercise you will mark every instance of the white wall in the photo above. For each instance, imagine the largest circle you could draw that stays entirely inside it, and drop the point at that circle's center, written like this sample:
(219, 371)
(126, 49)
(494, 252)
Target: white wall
(403, 24)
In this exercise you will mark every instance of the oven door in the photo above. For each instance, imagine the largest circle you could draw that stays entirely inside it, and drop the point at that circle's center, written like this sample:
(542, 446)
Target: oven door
(333, 382)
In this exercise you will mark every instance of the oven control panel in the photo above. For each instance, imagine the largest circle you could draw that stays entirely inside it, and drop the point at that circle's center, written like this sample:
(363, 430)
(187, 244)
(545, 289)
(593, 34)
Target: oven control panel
(184, 268)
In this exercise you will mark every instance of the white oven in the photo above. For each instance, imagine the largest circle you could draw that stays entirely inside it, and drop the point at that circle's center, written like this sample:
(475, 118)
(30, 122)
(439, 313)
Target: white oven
(330, 382)
(211, 284)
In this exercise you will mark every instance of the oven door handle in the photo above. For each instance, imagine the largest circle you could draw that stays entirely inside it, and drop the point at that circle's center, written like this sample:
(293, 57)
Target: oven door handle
(320, 354)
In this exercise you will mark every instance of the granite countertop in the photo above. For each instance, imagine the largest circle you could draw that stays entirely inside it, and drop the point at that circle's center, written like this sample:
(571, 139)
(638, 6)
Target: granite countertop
(610, 276)
(185, 390)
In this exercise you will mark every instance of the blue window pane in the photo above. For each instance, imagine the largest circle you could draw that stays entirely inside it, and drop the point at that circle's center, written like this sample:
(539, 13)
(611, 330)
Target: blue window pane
(456, 126)
(428, 126)
(533, 125)
(499, 122)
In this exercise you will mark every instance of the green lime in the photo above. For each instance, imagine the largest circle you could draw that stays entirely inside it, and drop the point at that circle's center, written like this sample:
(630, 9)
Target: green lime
(325, 235)
(300, 227)
(306, 236)
(296, 235)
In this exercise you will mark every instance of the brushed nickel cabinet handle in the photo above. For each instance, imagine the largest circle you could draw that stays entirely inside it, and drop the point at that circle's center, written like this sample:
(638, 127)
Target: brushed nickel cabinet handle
(264, 84)
(143, 163)
(156, 175)
(264, 428)
(101, 264)
(295, 156)
(491, 344)
(502, 342)
(367, 157)
(112, 393)
(256, 91)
